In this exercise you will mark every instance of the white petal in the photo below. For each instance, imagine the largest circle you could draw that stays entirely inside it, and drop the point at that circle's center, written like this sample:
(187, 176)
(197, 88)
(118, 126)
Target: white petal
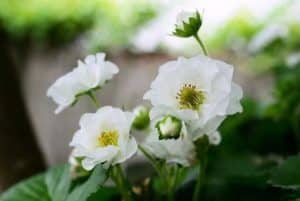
(103, 155)
(62, 92)
(235, 98)
(160, 111)
(180, 151)
(127, 153)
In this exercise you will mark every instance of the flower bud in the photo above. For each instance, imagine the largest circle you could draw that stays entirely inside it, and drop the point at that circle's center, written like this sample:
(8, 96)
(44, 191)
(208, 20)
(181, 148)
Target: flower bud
(169, 127)
(188, 24)
(141, 118)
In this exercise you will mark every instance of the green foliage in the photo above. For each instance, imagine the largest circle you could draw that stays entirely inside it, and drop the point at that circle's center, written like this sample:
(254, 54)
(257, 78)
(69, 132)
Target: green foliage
(105, 194)
(32, 189)
(239, 29)
(117, 22)
(58, 181)
(287, 175)
(58, 20)
(110, 23)
(54, 185)
(94, 182)
(287, 95)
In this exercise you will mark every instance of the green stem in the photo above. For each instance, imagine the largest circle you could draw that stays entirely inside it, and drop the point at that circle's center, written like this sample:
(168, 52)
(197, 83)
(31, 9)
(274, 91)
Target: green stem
(151, 159)
(172, 174)
(201, 44)
(201, 178)
(121, 182)
(163, 172)
(94, 99)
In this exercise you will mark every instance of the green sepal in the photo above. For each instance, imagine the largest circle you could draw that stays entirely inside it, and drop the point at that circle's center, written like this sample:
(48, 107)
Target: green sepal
(190, 28)
(77, 97)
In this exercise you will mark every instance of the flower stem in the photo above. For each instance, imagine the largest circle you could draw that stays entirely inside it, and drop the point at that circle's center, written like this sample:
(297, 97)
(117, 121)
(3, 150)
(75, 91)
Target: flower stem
(201, 44)
(94, 99)
(150, 158)
(168, 177)
(200, 180)
(121, 182)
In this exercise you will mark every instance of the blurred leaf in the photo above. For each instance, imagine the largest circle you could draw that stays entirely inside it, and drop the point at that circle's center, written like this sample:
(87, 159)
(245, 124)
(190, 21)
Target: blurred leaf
(253, 132)
(94, 182)
(236, 32)
(33, 189)
(287, 175)
(58, 181)
(57, 21)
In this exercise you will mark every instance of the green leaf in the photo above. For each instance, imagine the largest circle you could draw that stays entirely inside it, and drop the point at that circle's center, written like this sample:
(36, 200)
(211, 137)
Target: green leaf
(58, 181)
(287, 175)
(82, 193)
(104, 194)
(32, 189)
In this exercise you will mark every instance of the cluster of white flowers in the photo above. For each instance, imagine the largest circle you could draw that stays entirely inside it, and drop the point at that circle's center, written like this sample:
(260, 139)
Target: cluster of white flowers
(190, 98)
(104, 137)
(200, 93)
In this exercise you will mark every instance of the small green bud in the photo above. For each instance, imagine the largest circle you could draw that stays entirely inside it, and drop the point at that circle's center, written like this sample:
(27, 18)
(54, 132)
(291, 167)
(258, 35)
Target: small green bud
(169, 127)
(141, 118)
(188, 24)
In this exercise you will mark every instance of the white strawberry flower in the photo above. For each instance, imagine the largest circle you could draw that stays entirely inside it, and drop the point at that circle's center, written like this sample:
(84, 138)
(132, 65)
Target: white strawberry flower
(179, 151)
(87, 76)
(104, 138)
(197, 90)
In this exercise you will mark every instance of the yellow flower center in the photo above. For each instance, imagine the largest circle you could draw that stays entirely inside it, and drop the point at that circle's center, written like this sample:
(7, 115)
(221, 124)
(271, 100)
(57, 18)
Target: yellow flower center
(107, 138)
(189, 97)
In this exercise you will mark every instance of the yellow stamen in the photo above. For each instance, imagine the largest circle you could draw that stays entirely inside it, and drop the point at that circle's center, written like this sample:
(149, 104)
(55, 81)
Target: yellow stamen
(107, 138)
(189, 97)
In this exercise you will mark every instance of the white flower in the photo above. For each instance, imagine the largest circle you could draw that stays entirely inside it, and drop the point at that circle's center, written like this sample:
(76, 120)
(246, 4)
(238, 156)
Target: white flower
(87, 76)
(198, 90)
(267, 36)
(104, 138)
(180, 151)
